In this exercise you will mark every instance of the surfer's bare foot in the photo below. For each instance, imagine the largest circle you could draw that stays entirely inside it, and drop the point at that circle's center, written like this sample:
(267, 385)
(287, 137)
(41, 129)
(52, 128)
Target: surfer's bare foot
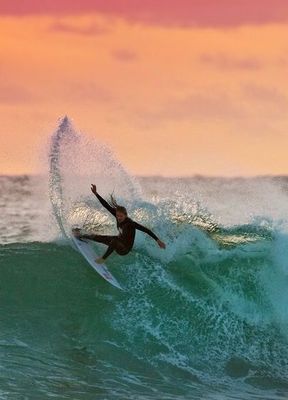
(100, 260)
(76, 232)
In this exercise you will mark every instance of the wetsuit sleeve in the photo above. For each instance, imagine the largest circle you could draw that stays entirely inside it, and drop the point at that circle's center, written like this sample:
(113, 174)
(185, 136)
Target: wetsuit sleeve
(146, 230)
(104, 203)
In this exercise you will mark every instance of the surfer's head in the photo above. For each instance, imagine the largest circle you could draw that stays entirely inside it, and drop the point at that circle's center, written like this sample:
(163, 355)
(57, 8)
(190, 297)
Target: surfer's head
(121, 213)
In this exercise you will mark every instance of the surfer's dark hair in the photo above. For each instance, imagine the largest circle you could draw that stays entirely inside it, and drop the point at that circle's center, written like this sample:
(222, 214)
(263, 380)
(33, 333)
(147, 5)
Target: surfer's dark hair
(113, 203)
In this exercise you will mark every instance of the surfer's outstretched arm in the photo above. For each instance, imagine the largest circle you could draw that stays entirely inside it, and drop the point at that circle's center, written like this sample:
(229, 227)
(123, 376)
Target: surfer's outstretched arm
(150, 233)
(104, 203)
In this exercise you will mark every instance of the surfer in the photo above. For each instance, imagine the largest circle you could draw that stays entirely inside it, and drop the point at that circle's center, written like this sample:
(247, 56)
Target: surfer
(123, 243)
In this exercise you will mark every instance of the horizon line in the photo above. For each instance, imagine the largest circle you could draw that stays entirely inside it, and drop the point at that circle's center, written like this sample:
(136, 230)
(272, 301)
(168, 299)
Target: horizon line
(155, 176)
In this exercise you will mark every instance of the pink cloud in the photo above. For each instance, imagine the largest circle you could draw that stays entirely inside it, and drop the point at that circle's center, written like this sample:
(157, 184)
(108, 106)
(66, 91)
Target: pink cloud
(164, 12)
(200, 106)
(267, 96)
(223, 61)
(91, 29)
(85, 92)
(13, 94)
(124, 55)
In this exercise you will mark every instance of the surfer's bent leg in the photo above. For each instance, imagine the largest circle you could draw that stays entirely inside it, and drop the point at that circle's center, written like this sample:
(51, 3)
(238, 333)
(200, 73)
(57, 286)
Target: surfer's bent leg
(113, 243)
(105, 239)
(117, 245)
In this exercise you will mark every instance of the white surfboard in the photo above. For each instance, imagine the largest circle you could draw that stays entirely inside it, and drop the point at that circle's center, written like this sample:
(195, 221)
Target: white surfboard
(88, 253)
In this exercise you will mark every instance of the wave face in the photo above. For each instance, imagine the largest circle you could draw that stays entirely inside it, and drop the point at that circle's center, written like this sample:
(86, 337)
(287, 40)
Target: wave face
(207, 318)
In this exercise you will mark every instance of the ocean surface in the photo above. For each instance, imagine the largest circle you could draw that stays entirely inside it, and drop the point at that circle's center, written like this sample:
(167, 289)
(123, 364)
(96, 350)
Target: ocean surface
(205, 319)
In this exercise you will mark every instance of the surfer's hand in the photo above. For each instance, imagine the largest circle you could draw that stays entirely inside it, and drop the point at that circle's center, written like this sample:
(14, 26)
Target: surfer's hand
(93, 188)
(161, 244)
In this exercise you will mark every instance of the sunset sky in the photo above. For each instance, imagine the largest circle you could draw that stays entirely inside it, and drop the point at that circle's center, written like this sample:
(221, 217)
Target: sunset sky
(174, 87)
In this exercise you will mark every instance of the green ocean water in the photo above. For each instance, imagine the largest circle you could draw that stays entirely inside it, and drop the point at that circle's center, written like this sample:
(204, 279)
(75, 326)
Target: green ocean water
(205, 319)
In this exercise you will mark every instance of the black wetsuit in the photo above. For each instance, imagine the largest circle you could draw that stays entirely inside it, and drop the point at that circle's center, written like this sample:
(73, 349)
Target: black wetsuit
(122, 243)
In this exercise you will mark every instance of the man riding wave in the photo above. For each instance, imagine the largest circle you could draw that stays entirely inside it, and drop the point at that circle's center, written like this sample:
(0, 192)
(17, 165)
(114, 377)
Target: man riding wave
(123, 243)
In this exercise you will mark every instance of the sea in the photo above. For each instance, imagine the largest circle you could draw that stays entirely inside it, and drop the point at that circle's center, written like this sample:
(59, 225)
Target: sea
(207, 318)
